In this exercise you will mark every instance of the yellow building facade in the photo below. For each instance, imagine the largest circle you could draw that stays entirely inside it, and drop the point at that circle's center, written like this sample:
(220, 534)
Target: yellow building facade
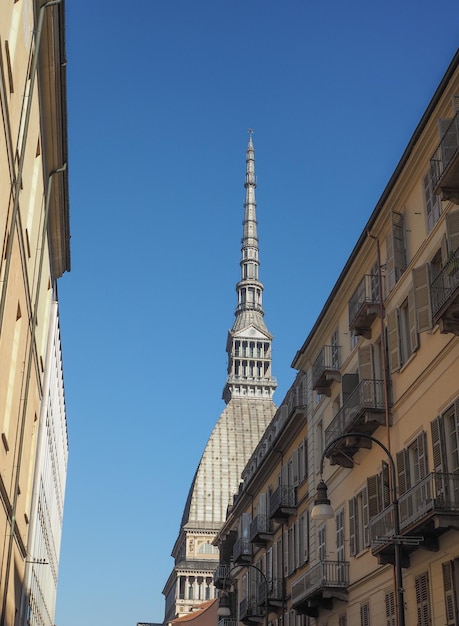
(374, 412)
(34, 231)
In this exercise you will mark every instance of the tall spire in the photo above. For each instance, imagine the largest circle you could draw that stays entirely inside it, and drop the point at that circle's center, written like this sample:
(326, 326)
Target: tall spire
(249, 342)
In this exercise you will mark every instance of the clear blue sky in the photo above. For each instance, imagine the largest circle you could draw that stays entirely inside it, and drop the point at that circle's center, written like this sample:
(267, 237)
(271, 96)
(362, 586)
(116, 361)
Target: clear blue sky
(160, 96)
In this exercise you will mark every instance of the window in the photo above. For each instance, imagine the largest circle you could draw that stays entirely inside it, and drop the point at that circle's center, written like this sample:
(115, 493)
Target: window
(339, 518)
(389, 600)
(396, 254)
(321, 547)
(359, 532)
(378, 491)
(450, 570)
(445, 452)
(431, 202)
(335, 351)
(303, 538)
(402, 333)
(411, 469)
(422, 599)
(365, 614)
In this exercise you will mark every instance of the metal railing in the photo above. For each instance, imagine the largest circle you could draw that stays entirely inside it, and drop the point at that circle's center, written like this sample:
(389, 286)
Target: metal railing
(367, 396)
(227, 621)
(284, 496)
(242, 547)
(249, 607)
(445, 283)
(221, 573)
(328, 360)
(436, 492)
(446, 151)
(275, 590)
(260, 524)
(367, 292)
(326, 574)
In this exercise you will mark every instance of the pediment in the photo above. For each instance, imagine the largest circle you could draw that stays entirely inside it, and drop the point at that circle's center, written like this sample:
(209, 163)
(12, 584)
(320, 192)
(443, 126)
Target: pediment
(251, 332)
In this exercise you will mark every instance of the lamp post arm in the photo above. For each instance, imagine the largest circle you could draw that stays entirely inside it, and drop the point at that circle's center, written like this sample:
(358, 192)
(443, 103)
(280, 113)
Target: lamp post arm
(397, 547)
(371, 438)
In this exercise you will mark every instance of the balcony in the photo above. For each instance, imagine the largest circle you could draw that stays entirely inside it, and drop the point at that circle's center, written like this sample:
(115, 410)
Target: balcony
(221, 577)
(325, 369)
(427, 510)
(283, 503)
(317, 587)
(364, 306)
(261, 530)
(242, 551)
(249, 611)
(227, 621)
(363, 412)
(444, 164)
(274, 594)
(444, 296)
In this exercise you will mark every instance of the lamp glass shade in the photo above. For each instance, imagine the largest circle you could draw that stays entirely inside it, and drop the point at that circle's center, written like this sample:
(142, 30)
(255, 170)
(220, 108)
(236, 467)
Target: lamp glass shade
(322, 511)
(224, 611)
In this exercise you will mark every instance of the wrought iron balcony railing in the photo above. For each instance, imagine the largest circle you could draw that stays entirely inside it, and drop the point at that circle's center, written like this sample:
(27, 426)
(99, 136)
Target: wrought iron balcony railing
(325, 575)
(445, 154)
(326, 368)
(364, 305)
(367, 397)
(444, 291)
(261, 526)
(283, 502)
(242, 550)
(273, 593)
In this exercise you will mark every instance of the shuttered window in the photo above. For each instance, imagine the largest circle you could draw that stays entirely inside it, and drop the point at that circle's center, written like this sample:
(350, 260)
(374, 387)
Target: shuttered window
(431, 202)
(421, 283)
(389, 601)
(452, 230)
(402, 332)
(396, 256)
(359, 531)
(411, 469)
(365, 614)
(422, 599)
(448, 588)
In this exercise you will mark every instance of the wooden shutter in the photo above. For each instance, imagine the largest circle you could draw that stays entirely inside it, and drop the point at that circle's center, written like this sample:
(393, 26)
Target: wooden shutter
(352, 543)
(414, 338)
(398, 236)
(422, 454)
(365, 614)
(366, 519)
(385, 485)
(421, 282)
(295, 468)
(449, 593)
(389, 599)
(452, 229)
(422, 599)
(448, 141)
(402, 472)
(262, 508)
(390, 262)
(365, 363)
(438, 444)
(286, 564)
(393, 340)
(374, 502)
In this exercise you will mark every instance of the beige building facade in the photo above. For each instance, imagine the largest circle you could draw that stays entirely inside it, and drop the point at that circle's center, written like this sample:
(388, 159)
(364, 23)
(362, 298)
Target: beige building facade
(374, 411)
(34, 231)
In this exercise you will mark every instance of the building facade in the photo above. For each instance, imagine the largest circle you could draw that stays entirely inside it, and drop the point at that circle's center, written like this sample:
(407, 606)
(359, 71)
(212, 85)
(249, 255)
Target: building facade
(35, 252)
(249, 409)
(374, 413)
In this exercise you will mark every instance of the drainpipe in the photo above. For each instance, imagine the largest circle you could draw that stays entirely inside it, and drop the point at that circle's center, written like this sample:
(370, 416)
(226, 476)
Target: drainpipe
(33, 323)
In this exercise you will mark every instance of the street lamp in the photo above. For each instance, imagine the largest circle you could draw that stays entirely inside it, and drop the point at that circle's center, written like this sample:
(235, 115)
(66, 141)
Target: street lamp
(322, 510)
(224, 608)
